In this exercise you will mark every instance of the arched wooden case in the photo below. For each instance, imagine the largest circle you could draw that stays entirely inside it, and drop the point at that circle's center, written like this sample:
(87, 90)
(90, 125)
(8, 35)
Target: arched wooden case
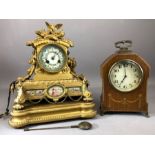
(113, 100)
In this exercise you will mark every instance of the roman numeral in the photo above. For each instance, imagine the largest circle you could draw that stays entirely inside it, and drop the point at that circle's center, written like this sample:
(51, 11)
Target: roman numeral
(130, 85)
(135, 81)
(116, 81)
(124, 86)
(116, 70)
(125, 65)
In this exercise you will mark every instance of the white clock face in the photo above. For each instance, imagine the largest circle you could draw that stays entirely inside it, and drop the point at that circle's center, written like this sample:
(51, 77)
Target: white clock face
(125, 75)
(52, 58)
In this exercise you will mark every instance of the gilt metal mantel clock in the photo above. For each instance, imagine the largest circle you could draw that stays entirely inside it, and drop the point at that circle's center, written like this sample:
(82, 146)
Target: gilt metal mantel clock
(52, 90)
(124, 86)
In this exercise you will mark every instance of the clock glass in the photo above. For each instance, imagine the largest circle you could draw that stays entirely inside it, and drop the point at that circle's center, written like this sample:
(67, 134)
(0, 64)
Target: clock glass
(125, 75)
(52, 58)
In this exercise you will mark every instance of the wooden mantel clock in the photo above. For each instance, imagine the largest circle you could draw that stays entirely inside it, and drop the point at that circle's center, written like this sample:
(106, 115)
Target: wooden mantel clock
(52, 91)
(124, 85)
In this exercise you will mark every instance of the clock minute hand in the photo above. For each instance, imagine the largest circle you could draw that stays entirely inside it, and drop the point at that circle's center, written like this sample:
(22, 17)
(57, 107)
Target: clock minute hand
(125, 76)
(125, 71)
(53, 57)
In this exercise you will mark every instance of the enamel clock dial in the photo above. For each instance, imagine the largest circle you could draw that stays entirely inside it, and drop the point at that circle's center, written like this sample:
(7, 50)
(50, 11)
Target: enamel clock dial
(52, 58)
(125, 75)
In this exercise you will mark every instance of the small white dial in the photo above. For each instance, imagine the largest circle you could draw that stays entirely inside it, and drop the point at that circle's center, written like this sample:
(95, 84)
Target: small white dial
(52, 58)
(125, 75)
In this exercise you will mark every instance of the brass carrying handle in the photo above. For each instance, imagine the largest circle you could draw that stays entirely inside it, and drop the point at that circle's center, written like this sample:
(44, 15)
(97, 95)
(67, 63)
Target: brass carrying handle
(124, 44)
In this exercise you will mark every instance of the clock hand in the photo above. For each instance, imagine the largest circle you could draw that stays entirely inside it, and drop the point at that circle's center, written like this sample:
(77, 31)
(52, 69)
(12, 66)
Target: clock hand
(125, 76)
(125, 71)
(82, 126)
(59, 61)
(47, 61)
(53, 57)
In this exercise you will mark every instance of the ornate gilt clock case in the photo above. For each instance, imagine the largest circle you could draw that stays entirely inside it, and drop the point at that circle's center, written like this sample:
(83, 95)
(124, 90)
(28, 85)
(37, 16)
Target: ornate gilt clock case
(51, 90)
(124, 81)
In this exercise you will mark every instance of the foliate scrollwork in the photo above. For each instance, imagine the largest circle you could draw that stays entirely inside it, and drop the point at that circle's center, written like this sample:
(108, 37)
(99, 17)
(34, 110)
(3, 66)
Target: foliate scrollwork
(30, 72)
(53, 33)
(86, 93)
(20, 99)
(72, 64)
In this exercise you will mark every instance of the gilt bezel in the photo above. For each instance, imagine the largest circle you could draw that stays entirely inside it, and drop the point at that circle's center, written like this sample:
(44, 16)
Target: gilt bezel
(41, 63)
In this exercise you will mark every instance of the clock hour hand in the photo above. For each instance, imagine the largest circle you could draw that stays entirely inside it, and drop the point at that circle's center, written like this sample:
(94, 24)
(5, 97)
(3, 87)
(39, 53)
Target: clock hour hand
(59, 61)
(123, 80)
(47, 61)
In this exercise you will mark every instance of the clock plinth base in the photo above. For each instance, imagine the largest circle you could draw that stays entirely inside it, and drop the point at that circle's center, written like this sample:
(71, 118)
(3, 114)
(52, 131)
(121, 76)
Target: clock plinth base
(51, 113)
